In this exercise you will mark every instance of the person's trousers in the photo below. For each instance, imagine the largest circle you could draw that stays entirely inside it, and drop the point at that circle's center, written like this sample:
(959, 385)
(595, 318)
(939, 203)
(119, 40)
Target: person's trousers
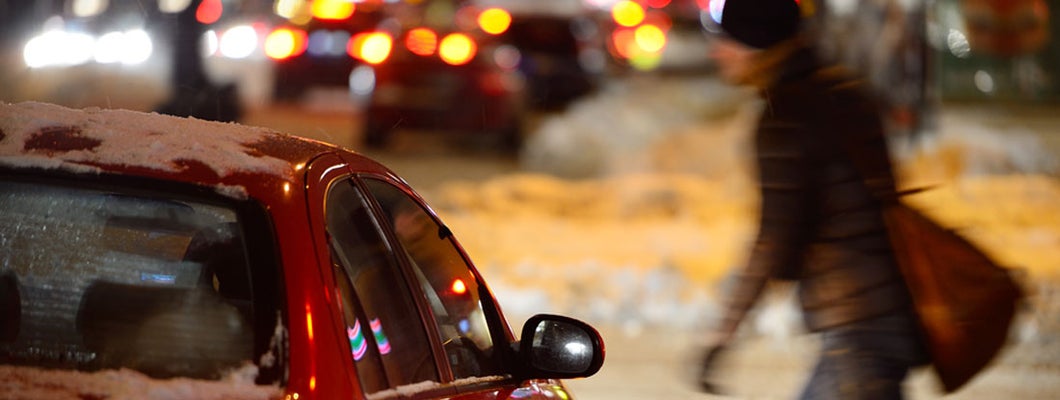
(865, 360)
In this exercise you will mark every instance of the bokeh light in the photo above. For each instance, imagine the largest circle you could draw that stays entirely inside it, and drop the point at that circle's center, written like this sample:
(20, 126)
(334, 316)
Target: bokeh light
(333, 10)
(457, 49)
(284, 43)
(372, 47)
(650, 38)
(421, 41)
(627, 13)
(209, 11)
(239, 42)
(494, 21)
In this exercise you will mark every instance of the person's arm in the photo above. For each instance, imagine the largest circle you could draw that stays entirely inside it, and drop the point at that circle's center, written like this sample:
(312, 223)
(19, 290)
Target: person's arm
(785, 221)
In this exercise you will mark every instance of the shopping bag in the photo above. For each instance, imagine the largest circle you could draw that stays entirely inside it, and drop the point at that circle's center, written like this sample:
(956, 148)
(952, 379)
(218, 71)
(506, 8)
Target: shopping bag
(965, 301)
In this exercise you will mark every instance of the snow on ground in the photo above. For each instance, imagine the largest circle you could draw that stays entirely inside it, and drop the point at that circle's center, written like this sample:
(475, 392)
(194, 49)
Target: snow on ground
(637, 202)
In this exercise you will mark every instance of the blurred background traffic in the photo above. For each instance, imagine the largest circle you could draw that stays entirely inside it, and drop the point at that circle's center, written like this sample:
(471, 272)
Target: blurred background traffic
(455, 65)
(488, 66)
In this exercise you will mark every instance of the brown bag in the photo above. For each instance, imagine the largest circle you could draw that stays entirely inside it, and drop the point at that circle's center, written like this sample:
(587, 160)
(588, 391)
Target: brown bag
(965, 301)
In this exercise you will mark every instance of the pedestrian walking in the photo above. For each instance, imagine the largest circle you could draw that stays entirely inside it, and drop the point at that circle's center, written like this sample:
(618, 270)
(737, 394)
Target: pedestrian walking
(820, 225)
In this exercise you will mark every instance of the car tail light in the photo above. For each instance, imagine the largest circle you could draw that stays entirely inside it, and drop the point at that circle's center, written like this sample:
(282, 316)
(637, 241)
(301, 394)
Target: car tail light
(457, 49)
(209, 11)
(284, 43)
(372, 47)
(494, 21)
(422, 41)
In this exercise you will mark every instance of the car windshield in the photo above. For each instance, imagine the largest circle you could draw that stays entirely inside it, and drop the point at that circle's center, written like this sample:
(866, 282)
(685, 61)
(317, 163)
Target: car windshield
(93, 279)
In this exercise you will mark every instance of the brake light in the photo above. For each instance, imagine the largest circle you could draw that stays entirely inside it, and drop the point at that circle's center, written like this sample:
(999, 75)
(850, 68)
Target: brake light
(209, 11)
(333, 10)
(422, 41)
(457, 49)
(494, 21)
(285, 43)
(373, 47)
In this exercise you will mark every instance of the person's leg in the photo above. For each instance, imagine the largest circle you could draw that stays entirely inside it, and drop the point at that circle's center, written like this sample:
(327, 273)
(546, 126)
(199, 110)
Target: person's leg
(841, 375)
(867, 360)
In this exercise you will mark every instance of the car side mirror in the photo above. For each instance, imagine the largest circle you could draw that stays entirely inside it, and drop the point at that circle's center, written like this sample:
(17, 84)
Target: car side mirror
(553, 346)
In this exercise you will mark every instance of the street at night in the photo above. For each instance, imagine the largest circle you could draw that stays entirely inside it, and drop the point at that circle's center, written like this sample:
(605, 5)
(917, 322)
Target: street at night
(601, 172)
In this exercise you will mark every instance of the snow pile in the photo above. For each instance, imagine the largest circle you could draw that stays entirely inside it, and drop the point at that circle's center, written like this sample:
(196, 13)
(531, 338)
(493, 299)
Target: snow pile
(616, 129)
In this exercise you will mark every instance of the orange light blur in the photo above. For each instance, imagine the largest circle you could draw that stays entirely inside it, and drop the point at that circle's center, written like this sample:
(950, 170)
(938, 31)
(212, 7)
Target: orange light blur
(625, 43)
(422, 41)
(459, 287)
(312, 383)
(627, 13)
(457, 49)
(494, 21)
(209, 11)
(333, 10)
(650, 38)
(309, 321)
(372, 47)
(285, 43)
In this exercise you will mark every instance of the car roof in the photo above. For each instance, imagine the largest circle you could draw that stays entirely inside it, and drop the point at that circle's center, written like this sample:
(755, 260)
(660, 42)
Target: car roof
(237, 160)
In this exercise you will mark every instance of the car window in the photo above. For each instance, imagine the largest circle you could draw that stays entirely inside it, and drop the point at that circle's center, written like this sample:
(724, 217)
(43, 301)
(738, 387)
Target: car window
(387, 339)
(100, 279)
(452, 290)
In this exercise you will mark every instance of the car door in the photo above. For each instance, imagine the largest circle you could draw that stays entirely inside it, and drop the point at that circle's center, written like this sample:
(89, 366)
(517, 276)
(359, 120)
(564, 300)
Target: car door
(415, 317)
(460, 310)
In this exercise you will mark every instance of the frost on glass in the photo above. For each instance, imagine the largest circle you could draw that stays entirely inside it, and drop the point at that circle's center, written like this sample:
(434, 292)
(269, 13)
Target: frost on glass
(94, 280)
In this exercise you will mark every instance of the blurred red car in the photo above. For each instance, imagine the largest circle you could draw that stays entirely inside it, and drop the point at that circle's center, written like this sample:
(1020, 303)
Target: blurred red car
(439, 71)
(216, 260)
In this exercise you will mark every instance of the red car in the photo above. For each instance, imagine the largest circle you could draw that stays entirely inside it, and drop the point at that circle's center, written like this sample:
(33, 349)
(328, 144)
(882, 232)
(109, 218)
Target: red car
(143, 255)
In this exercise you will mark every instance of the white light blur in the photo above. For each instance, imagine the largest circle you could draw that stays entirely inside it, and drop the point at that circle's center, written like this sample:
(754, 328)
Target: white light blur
(58, 48)
(288, 8)
(716, 6)
(109, 47)
(130, 47)
(210, 43)
(984, 82)
(239, 42)
(576, 348)
(88, 8)
(362, 80)
(958, 44)
(173, 6)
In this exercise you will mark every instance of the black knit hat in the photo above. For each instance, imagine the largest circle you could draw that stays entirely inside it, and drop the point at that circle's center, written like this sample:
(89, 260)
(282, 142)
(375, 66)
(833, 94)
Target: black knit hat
(760, 23)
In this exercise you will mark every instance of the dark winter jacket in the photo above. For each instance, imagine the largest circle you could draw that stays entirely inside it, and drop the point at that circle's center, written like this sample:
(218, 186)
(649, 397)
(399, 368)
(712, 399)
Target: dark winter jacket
(820, 224)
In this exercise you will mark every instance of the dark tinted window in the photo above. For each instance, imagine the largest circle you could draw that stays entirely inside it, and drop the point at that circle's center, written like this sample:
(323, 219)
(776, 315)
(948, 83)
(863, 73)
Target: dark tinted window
(452, 290)
(387, 338)
(93, 279)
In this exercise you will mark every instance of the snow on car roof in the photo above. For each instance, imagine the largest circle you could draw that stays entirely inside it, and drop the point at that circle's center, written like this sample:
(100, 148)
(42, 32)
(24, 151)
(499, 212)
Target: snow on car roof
(49, 136)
